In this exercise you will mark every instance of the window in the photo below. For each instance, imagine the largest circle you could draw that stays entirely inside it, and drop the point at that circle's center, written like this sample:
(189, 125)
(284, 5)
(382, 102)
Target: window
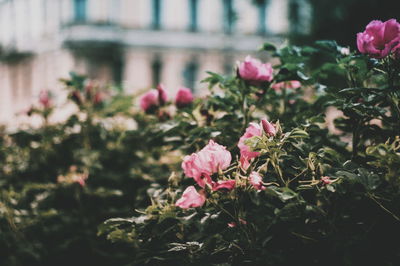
(190, 74)
(228, 16)
(294, 15)
(193, 6)
(156, 24)
(80, 10)
(262, 8)
(156, 69)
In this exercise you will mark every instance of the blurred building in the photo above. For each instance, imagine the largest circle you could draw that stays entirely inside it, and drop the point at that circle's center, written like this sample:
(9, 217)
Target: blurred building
(132, 43)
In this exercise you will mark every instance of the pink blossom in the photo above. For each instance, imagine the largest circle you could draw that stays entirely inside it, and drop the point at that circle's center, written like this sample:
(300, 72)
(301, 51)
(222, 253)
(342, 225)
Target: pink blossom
(153, 98)
(379, 38)
(269, 129)
(246, 154)
(190, 199)
(80, 179)
(253, 70)
(44, 99)
(232, 224)
(183, 98)
(292, 84)
(99, 97)
(149, 100)
(203, 164)
(244, 162)
(162, 94)
(223, 184)
(256, 180)
(326, 180)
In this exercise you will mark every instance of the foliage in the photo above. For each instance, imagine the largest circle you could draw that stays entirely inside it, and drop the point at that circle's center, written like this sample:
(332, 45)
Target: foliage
(60, 180)
(323, 197)
(329, 198)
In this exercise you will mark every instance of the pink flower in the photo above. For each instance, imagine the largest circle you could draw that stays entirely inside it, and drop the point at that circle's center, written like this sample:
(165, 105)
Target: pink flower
(379, 38)
(326, 180)
(162, 94)
(153, 98)
(80, 179)
(99, 97)
(44, 99)
(184, 97)
(256, 180)
(255, 71)
(203, 164)
(292, 84)
(244, 162)
(232, 224)
(190, 199)
(149, 100)
(223, 184)
(246, 154)
(269, 129)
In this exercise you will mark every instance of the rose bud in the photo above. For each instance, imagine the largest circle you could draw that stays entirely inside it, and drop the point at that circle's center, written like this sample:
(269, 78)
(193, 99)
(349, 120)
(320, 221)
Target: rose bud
(149, 101)
(269, 129)
(162, 94)
(183, 98)
(44, 99)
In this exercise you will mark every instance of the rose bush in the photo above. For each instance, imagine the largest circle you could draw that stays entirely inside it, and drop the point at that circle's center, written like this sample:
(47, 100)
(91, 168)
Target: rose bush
(292, 192)
(255, 175)
(60, 180)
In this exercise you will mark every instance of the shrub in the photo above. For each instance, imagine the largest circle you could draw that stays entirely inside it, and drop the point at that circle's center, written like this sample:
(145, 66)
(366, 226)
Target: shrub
(266, 182)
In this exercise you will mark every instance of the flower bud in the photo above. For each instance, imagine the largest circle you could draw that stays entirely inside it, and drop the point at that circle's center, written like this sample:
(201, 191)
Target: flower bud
(162, 94)
(184, 97)
(269, 129)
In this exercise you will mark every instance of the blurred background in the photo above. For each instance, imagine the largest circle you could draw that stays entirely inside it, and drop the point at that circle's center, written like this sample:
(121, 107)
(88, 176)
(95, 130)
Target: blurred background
(136, 44)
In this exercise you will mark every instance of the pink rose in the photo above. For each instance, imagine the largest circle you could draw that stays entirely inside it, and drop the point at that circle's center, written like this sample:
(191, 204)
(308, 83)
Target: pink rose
(326, 180)
(203, 164)
(255, 71)
(223, 184)
(149, 100)
(379, 38)
(99, 97)
(292, 84)
(246, 154)
(269, 129)
(256, 180)
(190, 199)
(184, 97)
(153, 98)
(44, 99)
(162, 94)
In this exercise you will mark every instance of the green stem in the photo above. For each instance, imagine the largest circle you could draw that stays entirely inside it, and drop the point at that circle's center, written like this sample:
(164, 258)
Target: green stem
(356, 139)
